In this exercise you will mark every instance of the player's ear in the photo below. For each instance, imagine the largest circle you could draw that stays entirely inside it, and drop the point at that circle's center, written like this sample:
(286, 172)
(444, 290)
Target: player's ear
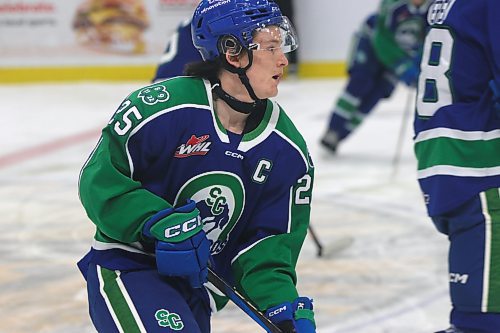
(237, 61)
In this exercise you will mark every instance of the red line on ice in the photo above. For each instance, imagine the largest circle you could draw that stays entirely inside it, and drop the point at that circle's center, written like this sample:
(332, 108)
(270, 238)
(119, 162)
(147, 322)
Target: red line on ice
(46, 148)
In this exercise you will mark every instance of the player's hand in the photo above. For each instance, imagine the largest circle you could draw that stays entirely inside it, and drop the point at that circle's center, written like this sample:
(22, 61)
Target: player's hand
(495, 88)
(296, 317)
(182, 247)
(408, 71)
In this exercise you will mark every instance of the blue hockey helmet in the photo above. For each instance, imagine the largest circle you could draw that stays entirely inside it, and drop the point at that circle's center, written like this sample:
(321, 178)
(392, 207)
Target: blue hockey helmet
(226, 26)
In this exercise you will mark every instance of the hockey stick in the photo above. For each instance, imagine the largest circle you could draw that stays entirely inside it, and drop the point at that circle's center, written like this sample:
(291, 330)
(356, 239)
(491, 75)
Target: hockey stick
(332, 248)
(242, 303)
(319, 246)
(402, 132)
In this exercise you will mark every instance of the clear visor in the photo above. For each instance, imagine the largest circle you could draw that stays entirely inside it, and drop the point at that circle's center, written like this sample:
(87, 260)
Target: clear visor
(273, 37)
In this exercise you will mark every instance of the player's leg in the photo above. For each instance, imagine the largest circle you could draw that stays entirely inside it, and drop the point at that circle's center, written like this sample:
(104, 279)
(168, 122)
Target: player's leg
(142, 301)
(383, 89)
(365, 75)
(474, 257)
(350, 110)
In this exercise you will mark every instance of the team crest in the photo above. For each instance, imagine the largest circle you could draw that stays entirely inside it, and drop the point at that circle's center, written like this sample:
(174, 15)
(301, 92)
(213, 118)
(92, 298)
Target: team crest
(220, 197)
(154, 94)
(408, 34)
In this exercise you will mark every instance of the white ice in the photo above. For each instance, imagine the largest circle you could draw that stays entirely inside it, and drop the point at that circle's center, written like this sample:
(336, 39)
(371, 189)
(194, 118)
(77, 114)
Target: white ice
(391, 275)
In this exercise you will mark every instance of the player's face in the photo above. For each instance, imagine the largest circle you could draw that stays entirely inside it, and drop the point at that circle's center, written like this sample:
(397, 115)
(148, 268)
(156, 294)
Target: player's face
(268, 64)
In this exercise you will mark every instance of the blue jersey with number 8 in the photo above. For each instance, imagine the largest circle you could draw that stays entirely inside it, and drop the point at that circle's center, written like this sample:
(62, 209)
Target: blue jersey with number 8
(457, 129)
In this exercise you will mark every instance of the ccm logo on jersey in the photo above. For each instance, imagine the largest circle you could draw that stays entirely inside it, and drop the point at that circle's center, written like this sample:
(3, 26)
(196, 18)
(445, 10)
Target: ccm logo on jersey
(194, 146)
(183, 227)
(459, 278)
(233, 154)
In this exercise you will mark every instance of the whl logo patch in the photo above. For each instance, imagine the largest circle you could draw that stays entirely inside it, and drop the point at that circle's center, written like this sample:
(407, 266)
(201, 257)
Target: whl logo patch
(169, 319)
(194, 146)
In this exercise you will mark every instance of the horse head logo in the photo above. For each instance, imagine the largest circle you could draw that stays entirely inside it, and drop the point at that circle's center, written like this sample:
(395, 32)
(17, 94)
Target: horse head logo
(220, 198)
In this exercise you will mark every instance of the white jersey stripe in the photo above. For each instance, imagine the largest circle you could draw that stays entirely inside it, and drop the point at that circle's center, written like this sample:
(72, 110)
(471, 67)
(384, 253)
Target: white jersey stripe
(450, 170)
(442, 132)
(106, 299)
(487, 252)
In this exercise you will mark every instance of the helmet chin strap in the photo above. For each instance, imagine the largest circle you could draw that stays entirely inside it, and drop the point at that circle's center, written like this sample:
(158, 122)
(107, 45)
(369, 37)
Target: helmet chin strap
(236, 104)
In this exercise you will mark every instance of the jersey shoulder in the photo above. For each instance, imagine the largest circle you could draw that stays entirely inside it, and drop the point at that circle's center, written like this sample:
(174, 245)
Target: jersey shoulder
(289, 131)
(149, 102)
(177, 92)
(286, 126)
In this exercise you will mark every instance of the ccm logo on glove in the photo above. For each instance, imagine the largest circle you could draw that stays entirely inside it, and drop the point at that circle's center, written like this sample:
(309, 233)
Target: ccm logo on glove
(184, 227)
(276, 311)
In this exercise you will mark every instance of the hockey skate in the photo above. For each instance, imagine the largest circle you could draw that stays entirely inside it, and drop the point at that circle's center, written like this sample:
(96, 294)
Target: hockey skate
(330, 141)
(452, 329)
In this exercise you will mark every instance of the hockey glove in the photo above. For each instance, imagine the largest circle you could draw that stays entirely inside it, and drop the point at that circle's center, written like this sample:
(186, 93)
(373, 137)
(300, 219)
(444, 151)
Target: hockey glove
(407, 71)
(296, 317)
(495, 88)
(182, 247)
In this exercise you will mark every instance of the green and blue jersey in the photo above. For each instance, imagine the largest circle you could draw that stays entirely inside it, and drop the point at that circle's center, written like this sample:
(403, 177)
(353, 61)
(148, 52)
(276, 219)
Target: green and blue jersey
(399, 31)
(165, 144)
(457, 128)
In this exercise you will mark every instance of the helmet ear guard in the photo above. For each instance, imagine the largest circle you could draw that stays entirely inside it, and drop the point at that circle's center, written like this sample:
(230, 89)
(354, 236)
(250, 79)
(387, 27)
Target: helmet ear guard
(229, 45)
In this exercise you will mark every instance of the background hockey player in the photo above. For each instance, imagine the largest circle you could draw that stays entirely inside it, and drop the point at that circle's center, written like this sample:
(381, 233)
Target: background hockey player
(457, 144)
(202, 169)
(179, 52)
(386, 50)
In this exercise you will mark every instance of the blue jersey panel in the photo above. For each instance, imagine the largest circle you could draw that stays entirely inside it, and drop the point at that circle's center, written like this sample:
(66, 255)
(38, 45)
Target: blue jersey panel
(179, 52)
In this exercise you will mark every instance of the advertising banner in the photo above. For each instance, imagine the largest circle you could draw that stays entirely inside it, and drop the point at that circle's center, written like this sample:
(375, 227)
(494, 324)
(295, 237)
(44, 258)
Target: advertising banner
(37, 33)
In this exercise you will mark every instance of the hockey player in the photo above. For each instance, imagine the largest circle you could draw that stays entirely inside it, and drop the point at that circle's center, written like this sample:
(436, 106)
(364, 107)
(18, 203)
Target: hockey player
(179, 52)
(457, 144)
(386, 50)
(197, 170)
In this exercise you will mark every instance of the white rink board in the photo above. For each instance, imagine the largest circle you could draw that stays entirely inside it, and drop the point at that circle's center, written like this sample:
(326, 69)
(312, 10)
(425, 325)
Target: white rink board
(392, 278)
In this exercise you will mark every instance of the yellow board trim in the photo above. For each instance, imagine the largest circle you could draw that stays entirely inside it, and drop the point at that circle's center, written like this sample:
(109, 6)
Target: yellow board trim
(136, 73)
(322, 70)
(81, 73)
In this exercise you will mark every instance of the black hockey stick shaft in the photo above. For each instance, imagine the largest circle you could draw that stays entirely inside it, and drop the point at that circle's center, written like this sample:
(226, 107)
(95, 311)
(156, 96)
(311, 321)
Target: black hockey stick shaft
(409, 107)
(315, 238)
(242, 302)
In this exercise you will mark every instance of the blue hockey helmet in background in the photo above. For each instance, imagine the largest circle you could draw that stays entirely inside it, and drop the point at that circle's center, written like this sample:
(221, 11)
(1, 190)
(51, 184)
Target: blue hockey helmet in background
(227, 26)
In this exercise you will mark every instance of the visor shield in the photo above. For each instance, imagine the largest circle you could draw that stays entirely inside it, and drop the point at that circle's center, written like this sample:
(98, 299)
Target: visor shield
(278, 36)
